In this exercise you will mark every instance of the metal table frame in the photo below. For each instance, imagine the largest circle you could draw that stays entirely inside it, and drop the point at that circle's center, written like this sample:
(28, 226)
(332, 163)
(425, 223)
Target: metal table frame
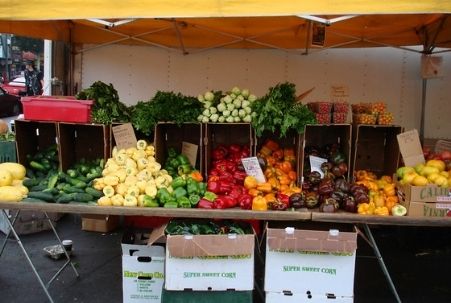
(11, 220)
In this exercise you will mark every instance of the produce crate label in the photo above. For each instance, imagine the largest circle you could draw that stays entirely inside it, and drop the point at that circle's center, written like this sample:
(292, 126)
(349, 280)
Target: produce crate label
(252, 168)
(315, 164)
(124, 135)
(444, 199)
(190, 151)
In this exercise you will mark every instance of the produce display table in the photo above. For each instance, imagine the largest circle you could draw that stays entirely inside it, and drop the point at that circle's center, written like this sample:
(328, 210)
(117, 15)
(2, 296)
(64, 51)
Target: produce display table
(341, 217)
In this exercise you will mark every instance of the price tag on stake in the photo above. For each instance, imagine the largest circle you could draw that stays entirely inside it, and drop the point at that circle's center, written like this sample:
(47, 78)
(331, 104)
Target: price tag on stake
(252, 168)
(315, 164)
(190, 151)
(124, 135)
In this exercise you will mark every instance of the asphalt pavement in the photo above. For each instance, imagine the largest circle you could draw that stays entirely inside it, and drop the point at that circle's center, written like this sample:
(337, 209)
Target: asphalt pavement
(418, 259)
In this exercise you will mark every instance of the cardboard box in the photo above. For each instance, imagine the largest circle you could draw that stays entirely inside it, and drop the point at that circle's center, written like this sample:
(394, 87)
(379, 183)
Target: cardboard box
(317, 262)
(320, 135)
(169, 135)
(210, 262)
(375, 148)
(83, 141)
(280, 297)
(99, 223)
(32, 136)
(428, 193)
(142, 271)
(426, 209)
(57, 108)
(226, 134)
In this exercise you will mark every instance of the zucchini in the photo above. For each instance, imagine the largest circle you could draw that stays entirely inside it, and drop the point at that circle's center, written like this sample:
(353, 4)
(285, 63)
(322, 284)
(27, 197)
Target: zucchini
(38, 166)
(83, 197)
(94, 192)
(39, 195)
(52, 181)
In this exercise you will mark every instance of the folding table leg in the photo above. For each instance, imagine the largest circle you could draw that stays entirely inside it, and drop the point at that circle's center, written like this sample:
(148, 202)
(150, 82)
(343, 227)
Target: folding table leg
(68, 262)
(28, 258)
(373, 245)
(9, 232)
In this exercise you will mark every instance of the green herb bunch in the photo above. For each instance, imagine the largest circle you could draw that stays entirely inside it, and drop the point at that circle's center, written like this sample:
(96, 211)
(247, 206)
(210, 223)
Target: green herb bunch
(279, 110)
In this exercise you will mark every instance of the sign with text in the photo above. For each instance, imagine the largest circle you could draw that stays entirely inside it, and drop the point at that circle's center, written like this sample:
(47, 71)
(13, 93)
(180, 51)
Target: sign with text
(252, 168)
(315, 164)
(410, 147)
(124, 135)
(190, 151)
(339, 93)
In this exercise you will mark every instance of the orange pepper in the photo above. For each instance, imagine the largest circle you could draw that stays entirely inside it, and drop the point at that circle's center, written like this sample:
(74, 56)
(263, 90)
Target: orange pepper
(250, 182)
(361, 175)
(254, 192)
(288, 152)
(271, 197)
(272, 145)
(269, 172)
(264, 187)
(390, 202)
(284, 187)
(197, 176)
(387, 179)
(284, 180)
(270, 160)
(296, 189)
(265, 151)
(286, 167)
(292, 175)
(389, 189)
(278, 154)
(274, 182)
(379, 200)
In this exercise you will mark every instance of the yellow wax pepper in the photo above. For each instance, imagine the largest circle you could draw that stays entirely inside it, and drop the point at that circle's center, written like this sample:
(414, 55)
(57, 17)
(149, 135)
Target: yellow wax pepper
(259, 203)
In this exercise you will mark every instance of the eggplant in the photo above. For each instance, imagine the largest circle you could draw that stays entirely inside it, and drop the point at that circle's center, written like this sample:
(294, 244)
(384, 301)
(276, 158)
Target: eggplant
(342, 185)
(297, 200)
(328, 206)
(325, 187)
(349, 204)
(311, 199)
(314, 177)
(336, 171)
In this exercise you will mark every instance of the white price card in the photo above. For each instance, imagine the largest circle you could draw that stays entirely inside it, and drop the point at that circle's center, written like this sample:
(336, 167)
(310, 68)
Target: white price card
(124, 135)
(315, 164)
(252, 168)
(190, 151)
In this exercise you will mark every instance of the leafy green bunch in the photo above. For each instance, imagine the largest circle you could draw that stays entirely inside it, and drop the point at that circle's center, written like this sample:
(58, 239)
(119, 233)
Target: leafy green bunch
(279, 110)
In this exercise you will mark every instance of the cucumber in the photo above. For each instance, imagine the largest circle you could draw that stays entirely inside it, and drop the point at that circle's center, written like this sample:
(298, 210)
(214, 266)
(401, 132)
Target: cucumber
(52, 191)
(65, 198)
(30, 182)
(52, 181)
(94, 192)
(75, 182)
(39, 187)
(39, 195)
(72, 189)
(38, 166)
(83, 197)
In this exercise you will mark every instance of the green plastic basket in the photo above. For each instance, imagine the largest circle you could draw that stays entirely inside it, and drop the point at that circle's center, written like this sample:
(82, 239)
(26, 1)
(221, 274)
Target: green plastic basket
(8, 151)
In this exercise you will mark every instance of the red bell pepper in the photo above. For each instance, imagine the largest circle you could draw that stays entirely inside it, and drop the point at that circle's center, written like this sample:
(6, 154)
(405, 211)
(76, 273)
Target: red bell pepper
(219, 153)
(236, 192)
(245, 201)
(220, 165)
(227, 177)
(204, 203)
(213, 186)
(234, 149)
(219, 187)
(231, 166)
(245, 152)
(285, 199)
(239, 177)
(223, 202)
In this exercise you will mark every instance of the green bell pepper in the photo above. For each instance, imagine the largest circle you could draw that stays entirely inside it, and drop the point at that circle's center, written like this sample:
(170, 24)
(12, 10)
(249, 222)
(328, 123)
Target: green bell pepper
(171, 205)
(178, 182)
(184, 202)
(183, 160)
(172, 153)
(150, 202)
(202, 188)
(194, 199)
(163, 195)
(179, 192)
(184, 169)
(210, 196)
(192, 186)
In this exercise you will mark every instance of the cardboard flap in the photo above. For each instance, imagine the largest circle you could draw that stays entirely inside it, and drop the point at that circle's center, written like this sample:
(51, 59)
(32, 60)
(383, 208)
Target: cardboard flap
(311, 240)
(210, 245)
(157, 235)
(410, 147)
(136, 250)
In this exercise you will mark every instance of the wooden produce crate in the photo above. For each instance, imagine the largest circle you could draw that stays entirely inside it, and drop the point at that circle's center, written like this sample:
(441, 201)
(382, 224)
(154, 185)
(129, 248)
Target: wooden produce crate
(375, 148)
(83, 141)
(226, 134)
(8, 151)
(169, 135)
(33, 136)
(320, 135)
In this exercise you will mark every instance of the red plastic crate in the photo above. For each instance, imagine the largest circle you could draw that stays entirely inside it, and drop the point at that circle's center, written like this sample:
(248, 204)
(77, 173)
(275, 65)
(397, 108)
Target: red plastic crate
(57, 108)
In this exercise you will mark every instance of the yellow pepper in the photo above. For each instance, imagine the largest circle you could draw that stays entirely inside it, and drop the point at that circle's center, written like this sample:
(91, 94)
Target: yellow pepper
(381, 211)
(389, 190)
(366, 208)
(264, 187)
(379, 200)
(259, 203)
(250, 182)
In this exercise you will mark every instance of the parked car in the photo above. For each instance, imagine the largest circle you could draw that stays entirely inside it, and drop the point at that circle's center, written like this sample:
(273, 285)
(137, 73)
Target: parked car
(10, 105)
(15, 87)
